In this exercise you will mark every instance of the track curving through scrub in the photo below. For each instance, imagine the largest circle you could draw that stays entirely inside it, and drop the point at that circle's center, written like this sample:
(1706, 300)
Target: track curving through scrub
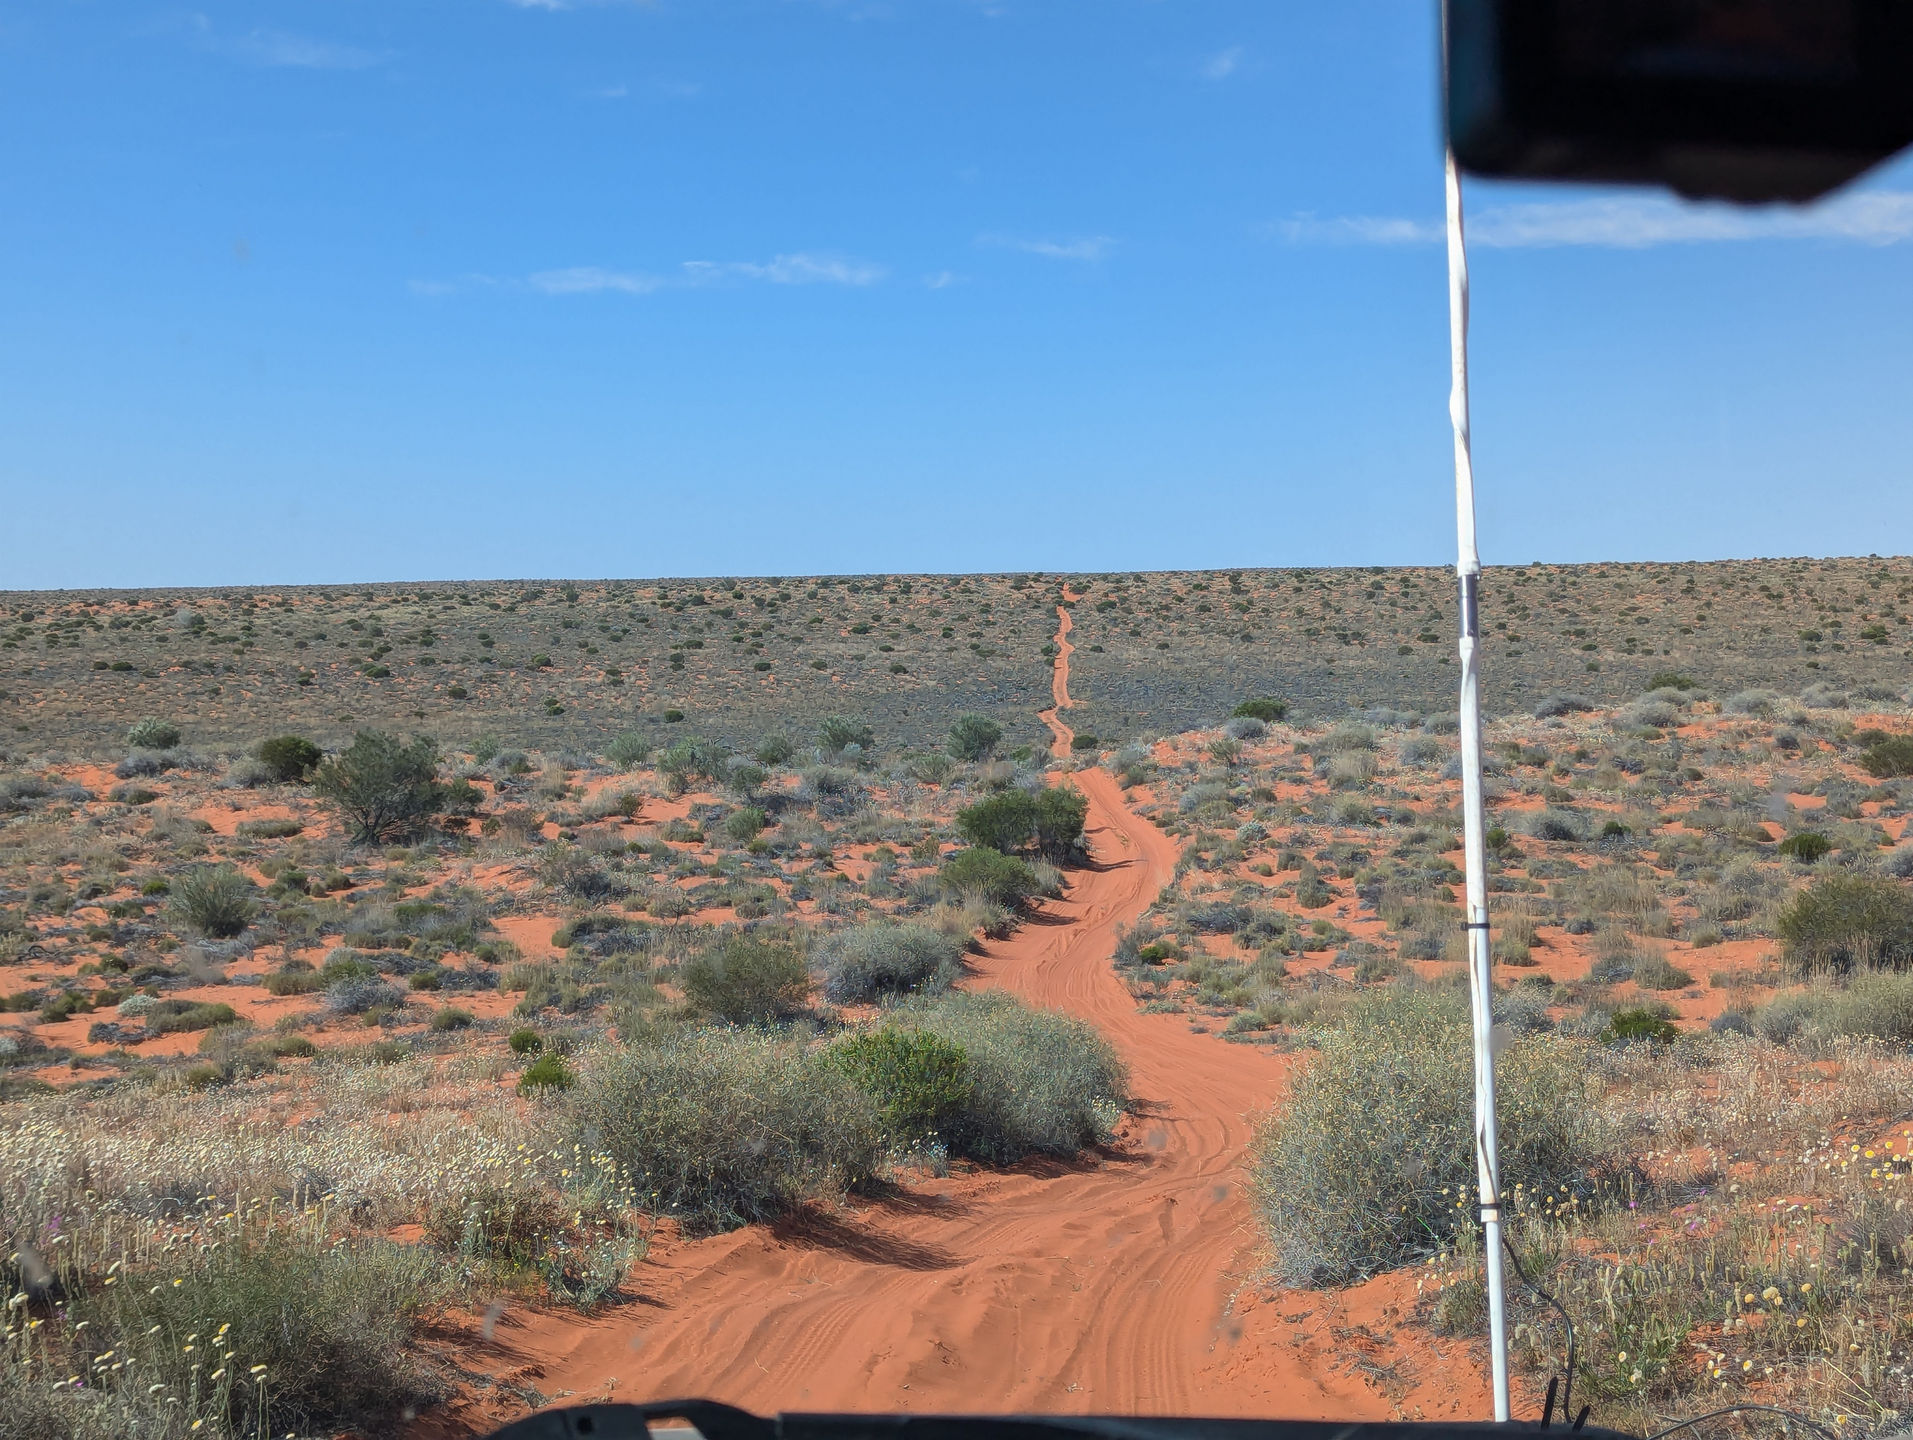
(1113, 1283)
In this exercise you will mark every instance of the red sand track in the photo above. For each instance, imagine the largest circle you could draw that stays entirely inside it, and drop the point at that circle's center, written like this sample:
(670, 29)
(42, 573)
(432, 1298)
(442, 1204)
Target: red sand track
(1106, 1285)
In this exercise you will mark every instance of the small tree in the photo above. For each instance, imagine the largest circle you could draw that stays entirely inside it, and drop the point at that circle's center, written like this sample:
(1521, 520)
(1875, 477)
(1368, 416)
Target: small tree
(290, 758)
(839, 732)
(1005, 822)
(383, 788)
(974, 737)
(1060, 813)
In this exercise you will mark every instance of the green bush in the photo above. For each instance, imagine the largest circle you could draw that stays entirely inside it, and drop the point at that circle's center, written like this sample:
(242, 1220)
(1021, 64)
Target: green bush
(1806, 846)
(775, 750)
(384, 789)
(1890, 757)
(274, 829)
(215, 900)
(171, 1017)
(1040, 1081)
(332, 1325)
(452, 1017)
(1641, 1023)
(1848, 922)
(917, 1080)
(548, 1072)
(744, 825)
(837, 733)
(726, 1127)
(1005, 822)
(1266, 710)
(1060, 813)
(296, 977)
(290, 758)
(974, 737)
(525, 1042)
(985, 874)
(884, 958)
(747, 979)
(1363, 1168)
(152, 733)
(628, 751)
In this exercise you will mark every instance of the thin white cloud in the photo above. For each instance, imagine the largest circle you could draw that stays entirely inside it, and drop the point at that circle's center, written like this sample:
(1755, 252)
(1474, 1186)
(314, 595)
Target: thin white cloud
(1223, 64)
(595, 280)
(942, 280)
(801, 268)
(1873, 217)
(1087, 247)
(280, 49)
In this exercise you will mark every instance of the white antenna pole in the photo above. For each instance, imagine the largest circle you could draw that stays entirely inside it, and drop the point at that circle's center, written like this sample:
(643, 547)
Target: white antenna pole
(1480, 982)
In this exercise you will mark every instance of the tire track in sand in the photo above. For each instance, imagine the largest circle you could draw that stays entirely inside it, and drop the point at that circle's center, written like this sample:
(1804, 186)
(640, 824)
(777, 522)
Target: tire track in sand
(1099, 1285)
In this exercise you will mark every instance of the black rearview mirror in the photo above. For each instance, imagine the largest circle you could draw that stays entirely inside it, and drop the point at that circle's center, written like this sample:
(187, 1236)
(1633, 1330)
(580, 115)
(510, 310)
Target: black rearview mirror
(1747, 100)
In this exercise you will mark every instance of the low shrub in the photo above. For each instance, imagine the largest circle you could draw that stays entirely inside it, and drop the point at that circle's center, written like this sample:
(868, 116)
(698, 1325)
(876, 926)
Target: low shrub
(727, 1127)
(357, 994)
(1806, 846)
(331, 1325)
(918, 1081)
(1878, 1007)
(275, 829)
(743, 825)
(290, 758)
(1638, 1024)
(525, 1042)
(989, 875)
(1554, 825)
(1361, 1170)
(152, 733)
(170, 1017)
(747, 979)
(871, 961)
(974, 737)
(1562, 704)
(1040, 1081)
(1656, 972)
(1266, 710)
(628, 751)
(547, 1073)
(295, 978)
(453, 1017)
(1887, 758)
(1848, 922)
(215, 900)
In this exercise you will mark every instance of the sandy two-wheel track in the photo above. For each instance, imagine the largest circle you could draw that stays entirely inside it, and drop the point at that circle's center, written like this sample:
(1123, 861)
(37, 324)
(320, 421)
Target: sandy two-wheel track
(1116, 1283)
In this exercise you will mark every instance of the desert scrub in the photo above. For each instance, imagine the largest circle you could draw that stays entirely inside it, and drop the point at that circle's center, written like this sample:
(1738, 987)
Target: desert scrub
(383, 788)
(726, 1127)
(1848, 922)
(1371, 1162)
(869, 961)
(918, 1081)
(747, 979)
(215, 900)
(1041, 1081)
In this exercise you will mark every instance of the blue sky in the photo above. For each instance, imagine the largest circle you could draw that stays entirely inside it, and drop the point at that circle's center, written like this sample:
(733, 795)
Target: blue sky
(465, 288)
